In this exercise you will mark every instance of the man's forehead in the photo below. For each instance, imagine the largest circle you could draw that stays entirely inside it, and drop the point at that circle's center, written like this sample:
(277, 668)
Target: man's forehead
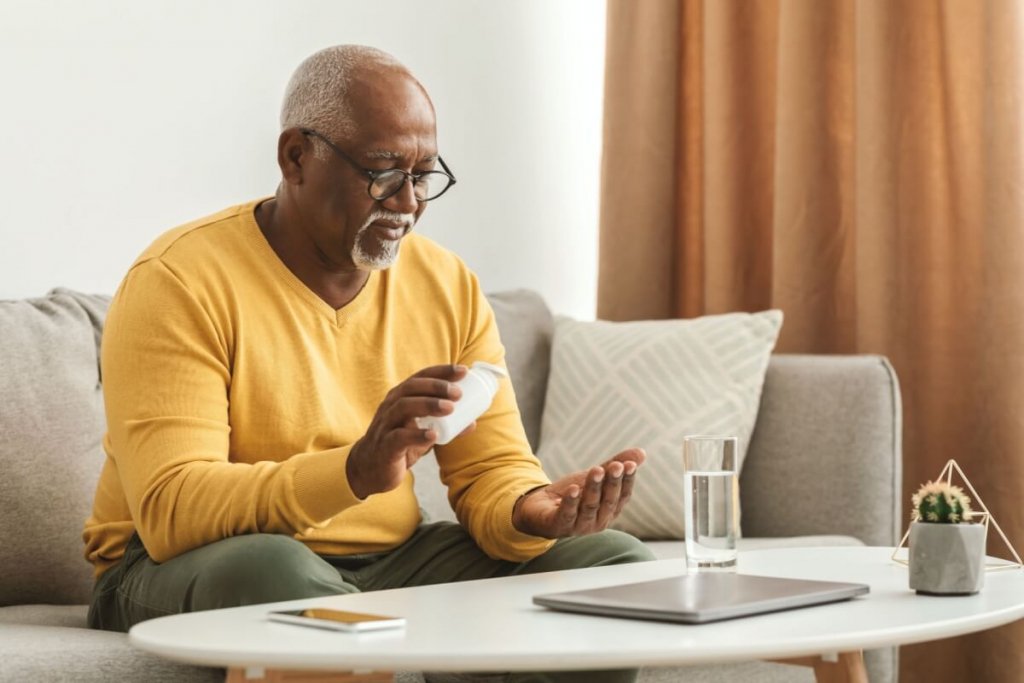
(392, 116)
(394, 155)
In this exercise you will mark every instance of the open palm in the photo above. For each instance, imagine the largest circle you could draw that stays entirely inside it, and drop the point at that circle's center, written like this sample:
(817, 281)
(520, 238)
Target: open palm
(582, 502)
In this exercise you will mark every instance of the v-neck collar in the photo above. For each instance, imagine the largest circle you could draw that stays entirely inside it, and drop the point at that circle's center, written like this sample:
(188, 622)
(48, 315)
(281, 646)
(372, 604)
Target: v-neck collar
(338, 317)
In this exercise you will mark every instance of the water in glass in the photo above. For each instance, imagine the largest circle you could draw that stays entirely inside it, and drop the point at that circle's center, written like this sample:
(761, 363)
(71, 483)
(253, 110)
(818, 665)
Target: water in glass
(711, 500)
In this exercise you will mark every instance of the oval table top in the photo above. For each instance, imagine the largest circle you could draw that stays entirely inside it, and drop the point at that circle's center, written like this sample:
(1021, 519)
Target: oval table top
(492, 624)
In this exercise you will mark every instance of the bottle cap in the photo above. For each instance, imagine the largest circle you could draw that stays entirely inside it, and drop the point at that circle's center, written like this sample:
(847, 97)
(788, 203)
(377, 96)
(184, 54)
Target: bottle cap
(496, 369)
(487, 374)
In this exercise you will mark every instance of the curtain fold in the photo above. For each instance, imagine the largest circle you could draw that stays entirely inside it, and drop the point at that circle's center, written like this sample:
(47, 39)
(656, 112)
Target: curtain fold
(638, 174)
(860, 165)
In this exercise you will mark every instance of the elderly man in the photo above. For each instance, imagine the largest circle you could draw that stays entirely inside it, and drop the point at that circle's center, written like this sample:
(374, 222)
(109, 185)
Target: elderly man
(264, 369)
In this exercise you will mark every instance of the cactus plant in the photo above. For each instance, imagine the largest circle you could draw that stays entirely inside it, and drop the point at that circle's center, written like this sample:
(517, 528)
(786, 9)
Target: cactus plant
(941, 502)
(946, 556)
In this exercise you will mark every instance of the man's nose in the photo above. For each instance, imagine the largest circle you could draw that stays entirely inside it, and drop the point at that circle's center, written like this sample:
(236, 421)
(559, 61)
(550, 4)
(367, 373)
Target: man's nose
(403, 201)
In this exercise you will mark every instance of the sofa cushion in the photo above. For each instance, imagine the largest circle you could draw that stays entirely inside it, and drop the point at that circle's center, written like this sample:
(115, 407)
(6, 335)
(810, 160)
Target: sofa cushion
(668, 550)
(826, 421)
(71, 616)
(51, 426)
(526, 327)
(750, 672)
(649, 384)
(79, 655)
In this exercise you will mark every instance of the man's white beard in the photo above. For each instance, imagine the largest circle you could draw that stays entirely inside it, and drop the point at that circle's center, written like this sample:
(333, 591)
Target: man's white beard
(382, 253)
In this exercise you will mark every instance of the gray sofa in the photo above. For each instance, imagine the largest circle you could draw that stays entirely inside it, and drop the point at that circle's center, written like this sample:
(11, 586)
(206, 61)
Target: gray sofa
(827, 438)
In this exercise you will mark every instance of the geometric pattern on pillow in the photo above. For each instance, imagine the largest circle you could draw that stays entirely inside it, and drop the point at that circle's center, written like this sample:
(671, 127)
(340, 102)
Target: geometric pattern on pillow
(614, 385)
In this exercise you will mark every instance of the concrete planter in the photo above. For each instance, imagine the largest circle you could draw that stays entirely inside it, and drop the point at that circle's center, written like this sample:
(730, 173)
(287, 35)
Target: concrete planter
(947, 559)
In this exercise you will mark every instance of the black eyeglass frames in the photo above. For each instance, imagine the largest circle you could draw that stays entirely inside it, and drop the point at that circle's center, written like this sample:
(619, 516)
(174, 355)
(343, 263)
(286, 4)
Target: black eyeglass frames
(426, 186)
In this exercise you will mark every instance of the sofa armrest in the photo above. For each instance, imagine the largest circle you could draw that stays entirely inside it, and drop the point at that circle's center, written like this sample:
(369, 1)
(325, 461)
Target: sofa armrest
(825, 456)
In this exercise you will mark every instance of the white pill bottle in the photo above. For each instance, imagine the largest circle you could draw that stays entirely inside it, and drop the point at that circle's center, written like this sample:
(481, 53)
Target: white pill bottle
(478, 389)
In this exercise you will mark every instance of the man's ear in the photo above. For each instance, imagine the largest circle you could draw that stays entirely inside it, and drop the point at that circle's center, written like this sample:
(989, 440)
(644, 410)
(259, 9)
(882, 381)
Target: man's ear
(294, 150)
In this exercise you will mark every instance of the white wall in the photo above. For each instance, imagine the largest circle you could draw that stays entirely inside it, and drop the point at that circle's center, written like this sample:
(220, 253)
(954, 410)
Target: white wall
(124, 118)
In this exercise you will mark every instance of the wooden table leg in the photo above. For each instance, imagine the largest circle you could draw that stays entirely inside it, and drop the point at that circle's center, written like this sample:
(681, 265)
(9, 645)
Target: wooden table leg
(242, 675)
(848, 667)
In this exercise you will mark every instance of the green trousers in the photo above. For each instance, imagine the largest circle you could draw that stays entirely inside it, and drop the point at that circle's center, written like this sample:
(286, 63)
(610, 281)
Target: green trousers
(258, 568)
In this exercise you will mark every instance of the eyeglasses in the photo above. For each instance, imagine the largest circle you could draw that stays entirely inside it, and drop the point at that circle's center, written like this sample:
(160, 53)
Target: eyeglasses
(383, 184)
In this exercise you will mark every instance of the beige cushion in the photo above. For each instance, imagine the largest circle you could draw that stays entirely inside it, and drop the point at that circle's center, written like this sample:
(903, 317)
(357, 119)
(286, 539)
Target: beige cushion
(648, 384)
(51, 425)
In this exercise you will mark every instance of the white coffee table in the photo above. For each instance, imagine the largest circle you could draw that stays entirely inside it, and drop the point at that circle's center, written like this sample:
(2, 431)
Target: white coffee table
(492, 625)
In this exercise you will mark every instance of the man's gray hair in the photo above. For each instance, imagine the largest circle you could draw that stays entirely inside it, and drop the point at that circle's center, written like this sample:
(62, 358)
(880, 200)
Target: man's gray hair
(316, 96)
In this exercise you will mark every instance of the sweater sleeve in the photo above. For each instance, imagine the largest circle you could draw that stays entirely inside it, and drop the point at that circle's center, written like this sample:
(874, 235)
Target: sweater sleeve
(166, 372)
(487, 470)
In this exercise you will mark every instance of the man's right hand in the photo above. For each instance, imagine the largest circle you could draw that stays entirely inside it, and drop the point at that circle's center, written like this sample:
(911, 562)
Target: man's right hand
(393, 443)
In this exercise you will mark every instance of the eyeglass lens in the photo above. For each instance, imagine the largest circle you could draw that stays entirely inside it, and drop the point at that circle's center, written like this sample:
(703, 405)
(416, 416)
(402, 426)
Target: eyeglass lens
(429, 184)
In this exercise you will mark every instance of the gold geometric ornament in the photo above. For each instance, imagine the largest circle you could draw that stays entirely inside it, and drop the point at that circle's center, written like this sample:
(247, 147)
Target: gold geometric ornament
(985, 516)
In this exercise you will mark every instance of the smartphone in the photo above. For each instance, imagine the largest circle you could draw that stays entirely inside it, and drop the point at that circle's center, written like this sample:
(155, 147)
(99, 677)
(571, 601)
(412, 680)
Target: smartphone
(336, 620)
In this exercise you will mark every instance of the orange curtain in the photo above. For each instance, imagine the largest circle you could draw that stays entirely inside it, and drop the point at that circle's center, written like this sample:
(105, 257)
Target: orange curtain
(860, 165)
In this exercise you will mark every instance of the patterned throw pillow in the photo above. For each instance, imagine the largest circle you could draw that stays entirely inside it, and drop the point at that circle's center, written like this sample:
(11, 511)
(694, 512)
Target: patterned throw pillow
(649, 384)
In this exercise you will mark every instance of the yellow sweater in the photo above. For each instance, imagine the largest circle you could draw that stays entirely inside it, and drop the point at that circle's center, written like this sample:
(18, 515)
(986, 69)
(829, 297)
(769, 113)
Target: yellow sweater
(234, 394)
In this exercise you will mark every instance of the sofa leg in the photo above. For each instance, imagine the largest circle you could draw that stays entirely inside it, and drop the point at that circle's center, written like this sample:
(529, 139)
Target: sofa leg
(258, 675)
(846, 667)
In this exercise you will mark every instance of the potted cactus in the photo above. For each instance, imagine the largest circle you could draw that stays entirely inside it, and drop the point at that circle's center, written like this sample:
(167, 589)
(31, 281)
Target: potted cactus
(947, 550)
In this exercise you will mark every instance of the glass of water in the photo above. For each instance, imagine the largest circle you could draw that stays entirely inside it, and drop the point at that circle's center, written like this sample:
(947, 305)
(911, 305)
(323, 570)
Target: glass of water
(711, 497)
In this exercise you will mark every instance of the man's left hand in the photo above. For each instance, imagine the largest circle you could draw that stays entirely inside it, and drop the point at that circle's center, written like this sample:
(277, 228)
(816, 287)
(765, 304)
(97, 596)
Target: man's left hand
(581, 503)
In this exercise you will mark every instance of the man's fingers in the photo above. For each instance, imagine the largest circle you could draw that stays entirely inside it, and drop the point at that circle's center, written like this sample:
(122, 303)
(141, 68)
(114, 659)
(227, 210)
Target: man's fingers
(567, 511)
(610, 494)
(590, 501)
(630, 455)
(394, 440)
(447, 372)
(410, 407)
(428, 386)
(626, 491)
